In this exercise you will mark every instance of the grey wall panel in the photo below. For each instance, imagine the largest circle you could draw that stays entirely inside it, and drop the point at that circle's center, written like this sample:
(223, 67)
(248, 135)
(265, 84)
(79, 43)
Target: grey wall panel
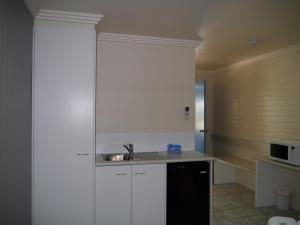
(15, 112)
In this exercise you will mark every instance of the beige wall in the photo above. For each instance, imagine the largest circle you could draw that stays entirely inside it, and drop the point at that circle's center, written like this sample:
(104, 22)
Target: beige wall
(144, 87)
(257, 103)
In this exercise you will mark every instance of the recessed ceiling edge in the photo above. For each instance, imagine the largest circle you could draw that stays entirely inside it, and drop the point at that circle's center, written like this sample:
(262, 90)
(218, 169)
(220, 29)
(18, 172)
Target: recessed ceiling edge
(147, 40)
(33, 7)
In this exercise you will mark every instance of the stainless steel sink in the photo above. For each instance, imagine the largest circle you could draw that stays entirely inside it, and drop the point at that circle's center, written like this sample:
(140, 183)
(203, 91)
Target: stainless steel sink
(150, 156)
(119, 157)
(116, 157)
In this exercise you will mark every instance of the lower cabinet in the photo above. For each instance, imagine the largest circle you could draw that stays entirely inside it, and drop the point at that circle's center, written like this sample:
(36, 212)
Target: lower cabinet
(131, 195)
(113, 195)
(148, 194)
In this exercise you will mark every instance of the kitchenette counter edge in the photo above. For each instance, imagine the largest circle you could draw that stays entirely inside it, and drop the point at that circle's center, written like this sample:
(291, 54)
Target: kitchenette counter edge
(158, 157)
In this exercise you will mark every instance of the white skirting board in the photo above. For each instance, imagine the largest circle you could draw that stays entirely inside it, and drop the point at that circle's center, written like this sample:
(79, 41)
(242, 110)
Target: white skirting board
(246, 179)
(269, 177)
(143, 142)
(225, 173)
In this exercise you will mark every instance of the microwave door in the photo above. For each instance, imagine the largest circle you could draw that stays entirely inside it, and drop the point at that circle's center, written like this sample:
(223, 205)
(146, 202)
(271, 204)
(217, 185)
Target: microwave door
(280, 151)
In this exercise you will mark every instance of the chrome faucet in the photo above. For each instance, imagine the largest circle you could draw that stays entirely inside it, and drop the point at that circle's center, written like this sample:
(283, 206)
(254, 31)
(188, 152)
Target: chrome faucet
(129, 148)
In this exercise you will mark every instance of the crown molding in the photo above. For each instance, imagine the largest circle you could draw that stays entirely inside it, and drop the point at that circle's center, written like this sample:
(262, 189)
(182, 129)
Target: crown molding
(56, 15)
(64, 16)
(264, 57)
(147, 40)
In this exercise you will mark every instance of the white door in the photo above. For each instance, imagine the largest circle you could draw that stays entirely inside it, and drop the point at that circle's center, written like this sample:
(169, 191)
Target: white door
(113, 195)
(148, 194)
(63, 124)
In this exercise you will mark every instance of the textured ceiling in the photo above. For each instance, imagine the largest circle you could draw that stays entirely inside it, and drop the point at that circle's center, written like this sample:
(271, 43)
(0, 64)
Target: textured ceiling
(224, 26)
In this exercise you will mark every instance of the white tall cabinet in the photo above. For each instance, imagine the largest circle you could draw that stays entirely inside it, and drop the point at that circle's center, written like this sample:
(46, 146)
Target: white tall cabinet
(63, 118)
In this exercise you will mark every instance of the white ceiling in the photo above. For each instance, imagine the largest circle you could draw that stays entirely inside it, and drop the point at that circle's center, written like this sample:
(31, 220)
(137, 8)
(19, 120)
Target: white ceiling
(225, 26)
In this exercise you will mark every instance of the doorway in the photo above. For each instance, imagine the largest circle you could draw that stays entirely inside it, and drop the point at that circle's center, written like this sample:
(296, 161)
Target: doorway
(200, 131)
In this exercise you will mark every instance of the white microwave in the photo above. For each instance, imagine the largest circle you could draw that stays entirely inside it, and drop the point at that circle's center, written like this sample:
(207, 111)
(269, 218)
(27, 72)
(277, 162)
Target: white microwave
(287, 153)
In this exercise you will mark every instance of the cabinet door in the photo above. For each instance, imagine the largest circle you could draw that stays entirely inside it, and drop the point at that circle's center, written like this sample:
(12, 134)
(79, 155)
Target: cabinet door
(188, 193)
(63, 124)
(113, 195)
(148, 194)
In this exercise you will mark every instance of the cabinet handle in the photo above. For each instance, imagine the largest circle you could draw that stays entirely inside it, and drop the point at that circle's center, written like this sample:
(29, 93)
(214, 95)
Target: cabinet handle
(203, 172)
(141, 173)
(121, 174)
(82, 154)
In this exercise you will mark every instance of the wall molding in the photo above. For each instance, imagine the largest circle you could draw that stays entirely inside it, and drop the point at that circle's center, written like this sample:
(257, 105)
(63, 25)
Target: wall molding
(113, 37)
(263, 57)
(64, 16)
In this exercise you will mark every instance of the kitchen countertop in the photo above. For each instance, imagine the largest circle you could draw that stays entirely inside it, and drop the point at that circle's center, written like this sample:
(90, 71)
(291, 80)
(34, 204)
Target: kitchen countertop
(237, 162)
(157, 157)
(281, 164)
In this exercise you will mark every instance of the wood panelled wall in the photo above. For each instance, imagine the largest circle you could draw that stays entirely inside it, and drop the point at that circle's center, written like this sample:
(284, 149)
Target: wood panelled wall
(256, 104)
(15, 112)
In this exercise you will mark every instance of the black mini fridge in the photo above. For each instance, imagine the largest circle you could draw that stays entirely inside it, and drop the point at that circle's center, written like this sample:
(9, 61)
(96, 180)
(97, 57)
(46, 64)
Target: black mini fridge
(188, 193)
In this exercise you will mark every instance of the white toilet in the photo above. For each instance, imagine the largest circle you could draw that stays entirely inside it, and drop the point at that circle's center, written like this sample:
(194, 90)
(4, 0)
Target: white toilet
(279, 220)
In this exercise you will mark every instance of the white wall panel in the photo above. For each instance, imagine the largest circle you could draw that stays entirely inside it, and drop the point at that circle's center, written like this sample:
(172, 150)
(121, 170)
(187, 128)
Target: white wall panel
(143, 142)
(144, 87)
(15, 113)
(269, 177)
